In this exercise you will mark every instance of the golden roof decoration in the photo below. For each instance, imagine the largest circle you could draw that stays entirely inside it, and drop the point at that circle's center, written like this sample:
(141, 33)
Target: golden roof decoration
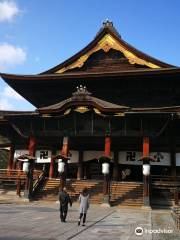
(81, 109)
(106, 43)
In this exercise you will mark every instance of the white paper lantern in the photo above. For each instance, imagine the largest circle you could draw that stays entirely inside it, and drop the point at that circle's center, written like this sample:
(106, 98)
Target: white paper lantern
(26, 166)
(105, 168)
(146, 169)
(61, 166)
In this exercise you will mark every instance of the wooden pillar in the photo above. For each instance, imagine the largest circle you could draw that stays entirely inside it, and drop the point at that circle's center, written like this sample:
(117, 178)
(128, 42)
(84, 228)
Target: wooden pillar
(32, 146)
(32, 150)
(172, 148)
(106, 183)
(51, 168)
(65, 153)
(80, 166)
(176, 197)
(145, 147)
(65, 148)
(146, 198)
(107, 150)
(11, 158)
(115, 167)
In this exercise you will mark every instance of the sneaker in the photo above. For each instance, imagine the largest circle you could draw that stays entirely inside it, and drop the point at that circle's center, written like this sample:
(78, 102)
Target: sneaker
(83, 224)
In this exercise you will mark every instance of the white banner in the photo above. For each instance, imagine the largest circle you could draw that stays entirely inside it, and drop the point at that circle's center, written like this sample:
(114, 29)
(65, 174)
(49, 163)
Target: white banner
(43, 156)
(89, 155)
(74, 156)
(20, 152)
(132, 158)
(162, 158)
(177, 159)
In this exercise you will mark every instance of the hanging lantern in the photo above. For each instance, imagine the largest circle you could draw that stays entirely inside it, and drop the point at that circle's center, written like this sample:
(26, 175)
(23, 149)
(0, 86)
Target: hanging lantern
(61, 166)
(146, 169)
(26, 167)
(105, 168)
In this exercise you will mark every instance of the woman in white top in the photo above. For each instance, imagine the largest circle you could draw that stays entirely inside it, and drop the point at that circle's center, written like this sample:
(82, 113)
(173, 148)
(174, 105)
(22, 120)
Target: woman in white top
(84, 205)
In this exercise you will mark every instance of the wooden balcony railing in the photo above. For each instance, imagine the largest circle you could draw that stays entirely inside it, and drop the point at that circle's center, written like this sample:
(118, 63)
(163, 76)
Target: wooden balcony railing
(165, 179)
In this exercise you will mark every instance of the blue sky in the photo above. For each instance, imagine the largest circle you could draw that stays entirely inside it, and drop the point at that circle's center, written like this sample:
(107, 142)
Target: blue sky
(36, 35)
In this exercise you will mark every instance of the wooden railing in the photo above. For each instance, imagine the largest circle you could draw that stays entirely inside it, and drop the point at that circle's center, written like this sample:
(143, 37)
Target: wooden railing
(176, 216)
(14, 174)
(17, 177)
(166, 179)
(38, 182)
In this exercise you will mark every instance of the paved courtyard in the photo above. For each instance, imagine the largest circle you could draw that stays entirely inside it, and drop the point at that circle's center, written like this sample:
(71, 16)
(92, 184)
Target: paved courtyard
(40, 221)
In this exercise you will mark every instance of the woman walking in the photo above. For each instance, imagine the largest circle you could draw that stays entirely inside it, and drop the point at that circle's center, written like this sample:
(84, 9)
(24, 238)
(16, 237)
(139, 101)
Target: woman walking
(84, 205)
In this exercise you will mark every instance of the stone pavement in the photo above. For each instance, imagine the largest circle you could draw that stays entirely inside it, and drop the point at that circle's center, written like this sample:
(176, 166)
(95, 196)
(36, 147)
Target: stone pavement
(40, 221)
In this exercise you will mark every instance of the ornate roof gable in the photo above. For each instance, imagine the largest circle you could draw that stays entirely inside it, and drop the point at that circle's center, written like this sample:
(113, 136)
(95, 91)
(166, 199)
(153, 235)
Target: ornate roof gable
(106, 39)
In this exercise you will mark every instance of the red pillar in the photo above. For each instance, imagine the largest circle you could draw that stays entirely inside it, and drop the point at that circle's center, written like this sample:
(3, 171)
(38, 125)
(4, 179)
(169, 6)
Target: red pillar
(107, 150)
(80, 166)
(64, 152)
(32, 146)
(65, 148)
(51, 169)
(145, 147)
(11, 158)
(32, 150)
(146, 178)
(107, 153)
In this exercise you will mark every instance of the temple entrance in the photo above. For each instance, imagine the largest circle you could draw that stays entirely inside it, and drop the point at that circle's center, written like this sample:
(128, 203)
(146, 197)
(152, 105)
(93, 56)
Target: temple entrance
(131, 173)
(92, 169)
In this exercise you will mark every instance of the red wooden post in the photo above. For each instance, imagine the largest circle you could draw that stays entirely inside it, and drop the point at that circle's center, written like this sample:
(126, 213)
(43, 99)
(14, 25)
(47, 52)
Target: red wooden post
(80, 166)
(146, 178)
(145, 147)
(107, 150)
(32, 150)
(64, 152)
(10, 160)
(65, 148)
(32, 146)
(107, 154)
(51, 169)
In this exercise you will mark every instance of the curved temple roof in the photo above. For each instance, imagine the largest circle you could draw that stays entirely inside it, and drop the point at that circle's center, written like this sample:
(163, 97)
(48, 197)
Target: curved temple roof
(108, 38)
(107, 57)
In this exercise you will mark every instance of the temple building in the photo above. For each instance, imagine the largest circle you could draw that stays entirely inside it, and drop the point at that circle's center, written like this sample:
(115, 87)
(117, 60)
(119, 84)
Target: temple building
(109, 103)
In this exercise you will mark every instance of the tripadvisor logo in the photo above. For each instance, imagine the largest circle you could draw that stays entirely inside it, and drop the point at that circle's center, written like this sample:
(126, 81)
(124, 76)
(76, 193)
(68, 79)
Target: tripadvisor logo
(139, 231)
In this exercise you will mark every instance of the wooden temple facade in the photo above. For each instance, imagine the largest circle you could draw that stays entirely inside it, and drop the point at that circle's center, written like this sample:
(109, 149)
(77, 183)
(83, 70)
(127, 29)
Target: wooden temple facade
(110, 100)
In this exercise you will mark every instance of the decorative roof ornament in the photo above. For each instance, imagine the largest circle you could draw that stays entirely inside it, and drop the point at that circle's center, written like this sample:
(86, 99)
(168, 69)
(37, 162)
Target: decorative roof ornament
(107, 23)
(81, 93)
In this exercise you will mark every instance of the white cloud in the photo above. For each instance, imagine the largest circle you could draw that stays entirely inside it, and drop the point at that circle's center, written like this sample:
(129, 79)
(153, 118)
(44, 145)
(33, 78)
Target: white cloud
(11, 56)
(7, 97)
(5, 104)
(8, 92)
(11, 100)
(8, 10)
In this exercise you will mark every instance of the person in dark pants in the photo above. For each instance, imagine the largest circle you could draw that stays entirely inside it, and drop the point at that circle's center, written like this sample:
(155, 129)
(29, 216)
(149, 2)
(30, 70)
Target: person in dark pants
(84, 205)
(64, 199)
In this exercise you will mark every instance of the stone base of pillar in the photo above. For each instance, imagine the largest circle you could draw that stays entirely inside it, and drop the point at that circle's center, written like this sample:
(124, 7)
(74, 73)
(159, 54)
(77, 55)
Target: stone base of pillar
(105, 201)
(148, 208)
(79, 178)
(146, 202)
(26, 196)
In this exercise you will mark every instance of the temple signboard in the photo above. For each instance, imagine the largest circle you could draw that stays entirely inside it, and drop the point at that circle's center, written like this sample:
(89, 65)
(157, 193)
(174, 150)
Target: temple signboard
(133, 158)
(43, 156)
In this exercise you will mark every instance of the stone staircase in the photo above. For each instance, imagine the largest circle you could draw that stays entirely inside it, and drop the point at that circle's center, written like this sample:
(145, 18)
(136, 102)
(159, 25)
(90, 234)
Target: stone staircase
(162, 197)
(126, 193)
(51, 189)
